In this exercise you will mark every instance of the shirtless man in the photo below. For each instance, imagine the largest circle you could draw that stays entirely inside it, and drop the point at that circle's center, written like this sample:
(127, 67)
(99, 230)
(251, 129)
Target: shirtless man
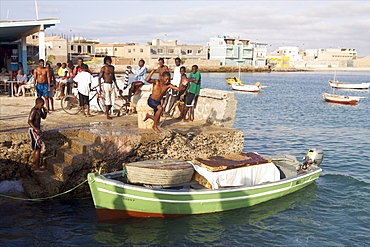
(162, 68)
(159, 89)
(42, 81)
(107, 73)
(37, 113)
(52, 86)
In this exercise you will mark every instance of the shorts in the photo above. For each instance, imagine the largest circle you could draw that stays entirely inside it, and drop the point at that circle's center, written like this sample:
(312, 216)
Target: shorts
(181, 96)
(136, 85)
(42, 89)
(191, 99)
(51, 92)
(84, 99)
(153, 104)
(35, 139)
(109, 93)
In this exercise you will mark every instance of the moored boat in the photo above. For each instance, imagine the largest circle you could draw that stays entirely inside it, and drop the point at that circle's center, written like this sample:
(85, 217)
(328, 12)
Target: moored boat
(243, 180)
(344, 85)
(341, 99)
(247, 88)
(231, 80)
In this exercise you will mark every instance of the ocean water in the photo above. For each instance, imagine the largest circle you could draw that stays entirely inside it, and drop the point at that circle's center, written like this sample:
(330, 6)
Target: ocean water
(291, 117)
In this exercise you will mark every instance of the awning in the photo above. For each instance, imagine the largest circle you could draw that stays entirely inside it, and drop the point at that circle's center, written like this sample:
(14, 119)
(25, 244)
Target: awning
(14, 30)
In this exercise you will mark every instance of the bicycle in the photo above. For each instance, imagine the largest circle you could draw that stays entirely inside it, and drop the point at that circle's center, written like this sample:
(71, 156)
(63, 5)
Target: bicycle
(71, 104)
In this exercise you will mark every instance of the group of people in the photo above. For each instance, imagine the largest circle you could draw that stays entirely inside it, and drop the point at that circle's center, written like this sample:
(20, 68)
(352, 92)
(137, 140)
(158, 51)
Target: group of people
(166, 91)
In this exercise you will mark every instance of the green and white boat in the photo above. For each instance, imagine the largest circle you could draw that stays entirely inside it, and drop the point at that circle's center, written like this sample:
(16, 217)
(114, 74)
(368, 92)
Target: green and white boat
(114, 197)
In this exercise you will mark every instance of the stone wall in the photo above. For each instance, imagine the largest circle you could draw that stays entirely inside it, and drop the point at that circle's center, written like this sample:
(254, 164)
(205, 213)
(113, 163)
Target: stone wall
(216, 107)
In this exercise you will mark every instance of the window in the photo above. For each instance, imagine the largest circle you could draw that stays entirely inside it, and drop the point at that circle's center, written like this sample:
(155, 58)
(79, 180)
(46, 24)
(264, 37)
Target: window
(133, 50)
(190, 52)
(160, 51)
(170, 51)
(199, 52)
(89, 49)
(79, 49)
(141, 50)
(72, 47)
(129, 51)
(115, 49)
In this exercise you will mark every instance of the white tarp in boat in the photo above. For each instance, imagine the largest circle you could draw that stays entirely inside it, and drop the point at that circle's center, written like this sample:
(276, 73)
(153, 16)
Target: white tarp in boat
(248, 175)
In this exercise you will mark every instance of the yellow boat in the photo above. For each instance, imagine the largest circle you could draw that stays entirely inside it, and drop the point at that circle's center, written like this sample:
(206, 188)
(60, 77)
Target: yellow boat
(231, 80)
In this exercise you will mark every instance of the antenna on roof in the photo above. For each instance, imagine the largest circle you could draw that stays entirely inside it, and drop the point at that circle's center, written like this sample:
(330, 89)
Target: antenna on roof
(37, 10)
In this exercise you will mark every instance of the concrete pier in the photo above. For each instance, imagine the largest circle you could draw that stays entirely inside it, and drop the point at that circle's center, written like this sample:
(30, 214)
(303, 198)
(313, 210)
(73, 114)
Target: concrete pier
(75, 145)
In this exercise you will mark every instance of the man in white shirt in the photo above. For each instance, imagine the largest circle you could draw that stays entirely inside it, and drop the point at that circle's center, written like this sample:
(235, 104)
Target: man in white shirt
(172, 95)
(84, 80)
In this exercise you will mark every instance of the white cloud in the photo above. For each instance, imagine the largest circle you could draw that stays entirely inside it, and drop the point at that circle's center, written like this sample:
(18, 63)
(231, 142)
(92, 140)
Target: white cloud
(317, 24)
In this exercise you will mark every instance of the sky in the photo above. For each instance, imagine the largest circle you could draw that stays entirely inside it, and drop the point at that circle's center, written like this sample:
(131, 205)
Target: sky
(306, 24)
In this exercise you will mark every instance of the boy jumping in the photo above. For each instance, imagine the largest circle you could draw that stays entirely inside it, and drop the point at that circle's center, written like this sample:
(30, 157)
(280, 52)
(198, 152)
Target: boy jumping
(160, 87)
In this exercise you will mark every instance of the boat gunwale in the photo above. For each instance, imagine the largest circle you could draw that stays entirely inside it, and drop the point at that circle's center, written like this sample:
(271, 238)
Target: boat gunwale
(120, 184)
(348, 85)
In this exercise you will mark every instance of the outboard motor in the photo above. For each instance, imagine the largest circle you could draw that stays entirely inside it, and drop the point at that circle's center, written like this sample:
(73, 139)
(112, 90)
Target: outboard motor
(314, 156)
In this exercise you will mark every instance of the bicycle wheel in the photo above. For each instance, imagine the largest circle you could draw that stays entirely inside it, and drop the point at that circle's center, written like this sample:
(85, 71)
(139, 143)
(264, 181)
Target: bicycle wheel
(101, 104)
(70, 104)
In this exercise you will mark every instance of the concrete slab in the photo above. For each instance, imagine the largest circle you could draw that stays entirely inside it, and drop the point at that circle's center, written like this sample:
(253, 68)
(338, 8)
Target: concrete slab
(14, 112)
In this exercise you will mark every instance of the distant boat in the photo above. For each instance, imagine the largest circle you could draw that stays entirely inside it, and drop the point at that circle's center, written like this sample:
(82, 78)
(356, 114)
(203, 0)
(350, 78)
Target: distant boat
(341, 99)
(246, 179)
(247, 88)
(345, 85)
(231, 80)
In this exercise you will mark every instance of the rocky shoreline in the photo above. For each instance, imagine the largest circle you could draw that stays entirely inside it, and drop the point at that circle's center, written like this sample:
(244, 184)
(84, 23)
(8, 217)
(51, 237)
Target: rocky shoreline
(74, 146)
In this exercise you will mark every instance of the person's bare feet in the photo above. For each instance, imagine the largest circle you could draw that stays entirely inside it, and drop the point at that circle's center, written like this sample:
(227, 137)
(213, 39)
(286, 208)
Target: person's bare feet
(156, 130)
(109, 118)
(188, 120)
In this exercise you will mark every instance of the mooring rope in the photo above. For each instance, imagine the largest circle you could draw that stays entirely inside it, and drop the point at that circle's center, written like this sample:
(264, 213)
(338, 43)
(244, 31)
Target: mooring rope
(44, 198)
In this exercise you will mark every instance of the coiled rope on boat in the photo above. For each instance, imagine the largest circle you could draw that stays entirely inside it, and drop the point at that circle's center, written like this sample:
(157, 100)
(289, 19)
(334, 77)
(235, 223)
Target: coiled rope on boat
(44, 198)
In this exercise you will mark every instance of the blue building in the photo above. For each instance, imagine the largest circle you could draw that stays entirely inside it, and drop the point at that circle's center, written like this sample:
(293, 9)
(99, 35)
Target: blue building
(231, 51)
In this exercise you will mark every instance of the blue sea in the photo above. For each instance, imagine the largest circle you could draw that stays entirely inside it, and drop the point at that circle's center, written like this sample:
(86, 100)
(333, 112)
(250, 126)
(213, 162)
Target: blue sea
(289, 116)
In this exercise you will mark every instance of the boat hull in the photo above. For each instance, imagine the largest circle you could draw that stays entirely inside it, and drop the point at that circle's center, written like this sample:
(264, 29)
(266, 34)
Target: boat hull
(342, 85)
(246, 88)
(341, 99)
(114, 199)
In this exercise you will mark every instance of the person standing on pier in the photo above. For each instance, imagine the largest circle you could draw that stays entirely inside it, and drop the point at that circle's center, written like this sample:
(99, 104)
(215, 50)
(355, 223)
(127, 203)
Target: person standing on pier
(139, 79)
(171, 94)
(110, 83)
(37, 113)
(84, 80)
(162, 67)
(193, 92)
(42, 81)
(160, 87)
(52, 86)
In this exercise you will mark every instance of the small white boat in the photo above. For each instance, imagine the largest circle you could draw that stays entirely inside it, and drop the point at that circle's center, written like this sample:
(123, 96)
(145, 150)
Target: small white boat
(247, 88)
(344, 85)
(341, 99)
